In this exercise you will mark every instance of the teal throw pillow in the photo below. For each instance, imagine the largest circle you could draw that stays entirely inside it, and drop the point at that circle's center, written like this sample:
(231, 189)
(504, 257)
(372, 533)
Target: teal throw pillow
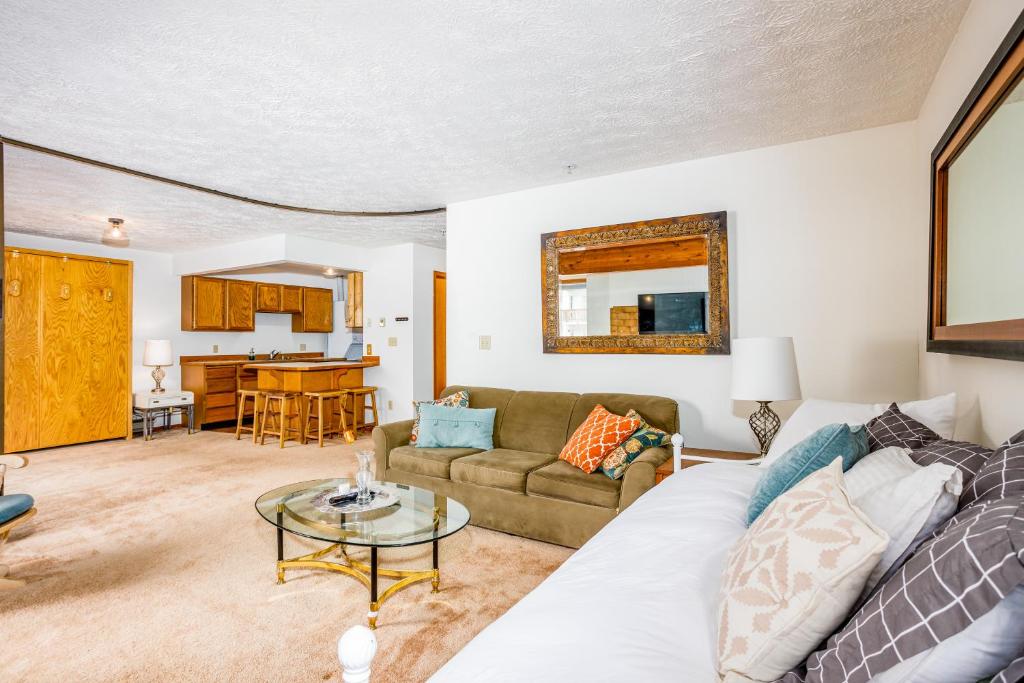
(456, 427)
(810, 455)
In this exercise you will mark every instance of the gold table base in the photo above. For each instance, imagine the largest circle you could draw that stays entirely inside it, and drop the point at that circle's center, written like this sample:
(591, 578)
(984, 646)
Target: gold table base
(365, 573)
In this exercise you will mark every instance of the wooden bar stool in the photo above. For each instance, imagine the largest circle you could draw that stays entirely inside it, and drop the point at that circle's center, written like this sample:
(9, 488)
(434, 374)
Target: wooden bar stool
(243, 395)
(281, 407)
(323, 420)
(359, 406)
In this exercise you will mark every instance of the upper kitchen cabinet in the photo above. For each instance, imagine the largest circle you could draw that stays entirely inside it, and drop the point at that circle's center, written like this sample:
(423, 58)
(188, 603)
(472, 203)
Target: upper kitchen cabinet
(203, 303)
(317, 311)
(241, 305)
(291, 299)
(354, 301)
(268, 298)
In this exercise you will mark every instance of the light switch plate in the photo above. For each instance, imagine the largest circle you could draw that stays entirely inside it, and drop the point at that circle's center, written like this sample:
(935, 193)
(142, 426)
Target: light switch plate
(302, 347)
(391, 405)
(485, 342)
(216, 348)
(392, 341)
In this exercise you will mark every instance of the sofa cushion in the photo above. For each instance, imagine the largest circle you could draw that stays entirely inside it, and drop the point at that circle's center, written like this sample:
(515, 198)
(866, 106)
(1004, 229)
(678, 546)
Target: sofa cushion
(430, 462)
(566, 482)
(501, 468)
(13, 505)
(656, 411)
(536, 421)
(486, 397)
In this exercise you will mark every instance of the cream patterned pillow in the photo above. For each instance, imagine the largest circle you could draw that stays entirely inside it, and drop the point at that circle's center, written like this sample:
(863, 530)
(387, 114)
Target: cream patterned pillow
(793, 577)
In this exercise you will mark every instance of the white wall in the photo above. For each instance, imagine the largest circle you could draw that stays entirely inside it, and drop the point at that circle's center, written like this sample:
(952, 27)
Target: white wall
(990, 391)
(818, 239)
(156, 309)
(399, 283)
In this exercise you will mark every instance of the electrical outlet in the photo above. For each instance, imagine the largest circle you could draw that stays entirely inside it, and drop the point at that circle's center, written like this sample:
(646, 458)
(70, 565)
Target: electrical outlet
(485, 342)
(216, 348)
(392, 341)
(302, 347)
(391, 405)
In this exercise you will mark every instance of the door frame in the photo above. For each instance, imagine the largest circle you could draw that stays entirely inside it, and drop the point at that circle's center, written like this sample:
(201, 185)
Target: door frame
(440, 373)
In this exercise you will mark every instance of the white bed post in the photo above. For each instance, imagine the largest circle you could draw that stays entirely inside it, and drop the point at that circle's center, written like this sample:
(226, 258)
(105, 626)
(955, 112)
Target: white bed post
(356, 649)
(677, 452)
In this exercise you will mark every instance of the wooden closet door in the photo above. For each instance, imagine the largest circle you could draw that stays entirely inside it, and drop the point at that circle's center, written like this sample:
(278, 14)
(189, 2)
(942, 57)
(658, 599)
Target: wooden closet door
(22, 350)
(105, 330)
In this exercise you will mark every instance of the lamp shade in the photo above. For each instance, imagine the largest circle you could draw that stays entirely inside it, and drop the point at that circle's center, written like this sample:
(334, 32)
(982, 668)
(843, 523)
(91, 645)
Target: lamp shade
(764, 369)
(157, 352)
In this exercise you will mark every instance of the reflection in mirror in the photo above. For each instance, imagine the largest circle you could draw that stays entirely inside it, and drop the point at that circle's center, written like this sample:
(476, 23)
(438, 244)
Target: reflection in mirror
(985, 223)
(643, 287)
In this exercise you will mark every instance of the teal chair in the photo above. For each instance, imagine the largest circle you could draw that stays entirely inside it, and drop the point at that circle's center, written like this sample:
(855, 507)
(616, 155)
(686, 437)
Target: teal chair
(15, 509)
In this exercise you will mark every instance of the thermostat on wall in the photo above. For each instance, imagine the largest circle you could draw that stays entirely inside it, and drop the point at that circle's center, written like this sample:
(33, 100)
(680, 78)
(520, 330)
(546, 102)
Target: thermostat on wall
(402, 319)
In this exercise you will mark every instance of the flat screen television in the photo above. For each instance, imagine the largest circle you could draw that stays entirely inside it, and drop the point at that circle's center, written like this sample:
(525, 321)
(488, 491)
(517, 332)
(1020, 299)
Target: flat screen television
(677, 313)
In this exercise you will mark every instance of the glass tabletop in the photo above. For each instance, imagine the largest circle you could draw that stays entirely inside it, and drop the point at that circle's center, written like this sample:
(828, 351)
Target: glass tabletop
(418, 516)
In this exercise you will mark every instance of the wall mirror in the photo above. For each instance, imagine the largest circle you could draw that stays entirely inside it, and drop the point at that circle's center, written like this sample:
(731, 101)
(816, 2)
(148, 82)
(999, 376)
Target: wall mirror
(658, 286)
(976, 305)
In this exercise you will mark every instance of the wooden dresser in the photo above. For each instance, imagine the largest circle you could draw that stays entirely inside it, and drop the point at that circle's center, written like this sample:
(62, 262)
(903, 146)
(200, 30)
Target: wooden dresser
(67, 349)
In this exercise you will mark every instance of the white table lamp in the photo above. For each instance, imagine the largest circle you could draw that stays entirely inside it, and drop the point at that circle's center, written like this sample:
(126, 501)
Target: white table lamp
(157, 354)
(764, 370)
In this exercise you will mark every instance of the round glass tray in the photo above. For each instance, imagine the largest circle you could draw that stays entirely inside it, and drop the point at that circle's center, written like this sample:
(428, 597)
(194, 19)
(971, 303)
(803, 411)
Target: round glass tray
(416, 515)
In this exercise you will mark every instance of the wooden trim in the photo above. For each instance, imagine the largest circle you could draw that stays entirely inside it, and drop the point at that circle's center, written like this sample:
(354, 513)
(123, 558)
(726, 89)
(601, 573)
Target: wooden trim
(3, 313)
(995, 339)
(199, 188)
(61, 254)
(440, 340)
(675, 253)
(710, 226)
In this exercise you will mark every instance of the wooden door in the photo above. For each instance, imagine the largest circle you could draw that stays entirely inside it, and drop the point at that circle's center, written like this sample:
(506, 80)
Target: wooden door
(22, 349)
(241, 305)
(440, 332)
(317, 310)
(268, 298)
(291, 299)
(208, 300)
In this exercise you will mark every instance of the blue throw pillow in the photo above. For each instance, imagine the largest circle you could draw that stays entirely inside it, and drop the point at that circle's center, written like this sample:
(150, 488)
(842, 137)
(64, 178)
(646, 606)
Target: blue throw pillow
(456, 427)
(810, 455)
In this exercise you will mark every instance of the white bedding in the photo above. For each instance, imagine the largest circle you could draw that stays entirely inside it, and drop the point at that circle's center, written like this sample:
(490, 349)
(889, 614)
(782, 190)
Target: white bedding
(636, 603)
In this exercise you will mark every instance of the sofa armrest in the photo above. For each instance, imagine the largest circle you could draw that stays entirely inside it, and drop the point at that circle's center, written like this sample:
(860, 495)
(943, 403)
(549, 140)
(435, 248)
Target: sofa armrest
(386, 438)
(639, 476)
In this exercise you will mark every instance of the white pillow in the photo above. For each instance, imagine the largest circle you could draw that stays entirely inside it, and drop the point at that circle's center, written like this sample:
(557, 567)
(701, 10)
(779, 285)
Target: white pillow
(903, 498)
(938, 414)
(983, 649)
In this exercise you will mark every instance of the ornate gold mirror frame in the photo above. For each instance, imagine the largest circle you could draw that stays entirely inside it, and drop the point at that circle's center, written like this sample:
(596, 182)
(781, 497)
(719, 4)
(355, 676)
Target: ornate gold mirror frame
(712, 226)
(998, 338)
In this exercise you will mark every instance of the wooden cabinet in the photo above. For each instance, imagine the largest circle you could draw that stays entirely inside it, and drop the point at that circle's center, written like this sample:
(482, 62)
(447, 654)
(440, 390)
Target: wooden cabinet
(291, 299)
(317, 311)
(354, 300)
(240, 305)
(268, 298)
(202, 303)
(67, 349)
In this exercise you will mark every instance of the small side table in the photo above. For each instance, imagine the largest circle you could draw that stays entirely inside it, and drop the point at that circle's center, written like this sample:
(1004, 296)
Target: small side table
(666, 468)
(150, 406)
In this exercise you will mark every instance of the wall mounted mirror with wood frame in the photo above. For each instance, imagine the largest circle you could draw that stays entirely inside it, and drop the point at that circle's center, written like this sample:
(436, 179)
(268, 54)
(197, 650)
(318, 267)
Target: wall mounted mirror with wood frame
(976, 302)
(657, 286)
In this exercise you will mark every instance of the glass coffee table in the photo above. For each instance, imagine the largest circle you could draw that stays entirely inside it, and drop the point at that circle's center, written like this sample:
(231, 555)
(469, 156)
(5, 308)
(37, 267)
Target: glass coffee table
(418, 516)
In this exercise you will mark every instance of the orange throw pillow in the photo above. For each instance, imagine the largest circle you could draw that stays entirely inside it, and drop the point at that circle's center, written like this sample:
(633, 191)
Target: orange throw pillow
(599, 434)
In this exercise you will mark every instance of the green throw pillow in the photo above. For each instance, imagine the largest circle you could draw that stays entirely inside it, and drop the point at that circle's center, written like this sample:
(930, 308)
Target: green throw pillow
(446, 427)
(644, 437)
(810, 455)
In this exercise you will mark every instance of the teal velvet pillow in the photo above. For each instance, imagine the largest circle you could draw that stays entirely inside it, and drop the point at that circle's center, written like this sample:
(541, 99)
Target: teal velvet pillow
(456, 427)
(816, 451)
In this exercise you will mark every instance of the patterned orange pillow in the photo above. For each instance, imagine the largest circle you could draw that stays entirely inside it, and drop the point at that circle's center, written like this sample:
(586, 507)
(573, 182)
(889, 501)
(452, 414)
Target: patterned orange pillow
(598, 436)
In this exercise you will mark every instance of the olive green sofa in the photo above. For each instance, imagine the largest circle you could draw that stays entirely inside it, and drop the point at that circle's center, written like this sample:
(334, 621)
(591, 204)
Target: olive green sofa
(521, 487)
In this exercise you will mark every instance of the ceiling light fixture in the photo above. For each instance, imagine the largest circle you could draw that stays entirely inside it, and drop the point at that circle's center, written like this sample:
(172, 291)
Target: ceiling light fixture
(115, 235)
(330, 272)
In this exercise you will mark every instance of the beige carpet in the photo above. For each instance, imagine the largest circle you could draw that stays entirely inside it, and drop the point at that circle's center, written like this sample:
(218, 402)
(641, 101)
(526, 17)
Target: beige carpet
(148, 562)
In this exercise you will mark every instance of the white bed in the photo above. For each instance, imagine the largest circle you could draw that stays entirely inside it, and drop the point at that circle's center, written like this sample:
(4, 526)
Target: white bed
(636, 603)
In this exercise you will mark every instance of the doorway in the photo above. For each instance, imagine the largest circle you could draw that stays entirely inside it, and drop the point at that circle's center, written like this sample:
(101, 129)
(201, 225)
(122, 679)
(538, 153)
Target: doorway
(440, 332)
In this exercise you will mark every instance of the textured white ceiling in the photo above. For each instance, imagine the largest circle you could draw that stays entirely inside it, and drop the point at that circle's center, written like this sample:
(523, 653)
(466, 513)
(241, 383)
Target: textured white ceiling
(406, 105)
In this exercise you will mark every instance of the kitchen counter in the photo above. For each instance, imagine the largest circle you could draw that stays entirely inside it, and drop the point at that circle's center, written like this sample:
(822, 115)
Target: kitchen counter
(311, 365)
(246, 361)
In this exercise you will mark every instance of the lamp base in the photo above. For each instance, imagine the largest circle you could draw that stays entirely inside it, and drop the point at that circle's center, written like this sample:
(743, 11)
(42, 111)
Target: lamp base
(158, 376)
(765, 425)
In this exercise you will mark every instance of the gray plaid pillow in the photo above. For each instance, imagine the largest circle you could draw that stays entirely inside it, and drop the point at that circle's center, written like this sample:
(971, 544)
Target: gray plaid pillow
(894, 428)
(965, 456)
(1002, 474)
(1013, 673)
(952, 580)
